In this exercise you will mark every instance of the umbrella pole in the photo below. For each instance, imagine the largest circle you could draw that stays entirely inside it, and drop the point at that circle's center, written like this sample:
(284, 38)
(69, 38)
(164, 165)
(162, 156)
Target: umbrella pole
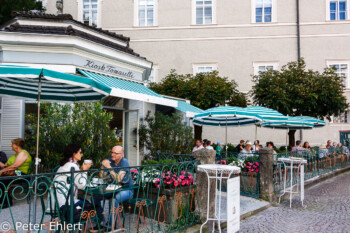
(256, 132)
(37, 146)
(286, 139)
(226, 137)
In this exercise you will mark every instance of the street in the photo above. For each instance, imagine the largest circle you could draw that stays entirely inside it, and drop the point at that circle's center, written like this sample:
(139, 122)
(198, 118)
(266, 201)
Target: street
(327, 210)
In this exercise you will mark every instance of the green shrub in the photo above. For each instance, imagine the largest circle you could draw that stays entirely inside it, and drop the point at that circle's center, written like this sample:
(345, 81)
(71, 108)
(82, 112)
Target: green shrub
(165, 134)
(152, 162)
(62, 124)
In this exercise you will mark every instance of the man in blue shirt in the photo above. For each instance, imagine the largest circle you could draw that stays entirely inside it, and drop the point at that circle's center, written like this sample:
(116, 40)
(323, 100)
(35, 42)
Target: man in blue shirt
(120, 172)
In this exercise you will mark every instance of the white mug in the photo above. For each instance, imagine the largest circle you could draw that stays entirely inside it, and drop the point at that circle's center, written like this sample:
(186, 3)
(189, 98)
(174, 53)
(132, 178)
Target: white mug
(87, 161)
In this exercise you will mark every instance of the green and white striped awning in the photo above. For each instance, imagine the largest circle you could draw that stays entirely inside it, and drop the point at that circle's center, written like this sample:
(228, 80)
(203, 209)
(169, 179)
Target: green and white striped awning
(129, 89)
(23, 82)
(266, 113)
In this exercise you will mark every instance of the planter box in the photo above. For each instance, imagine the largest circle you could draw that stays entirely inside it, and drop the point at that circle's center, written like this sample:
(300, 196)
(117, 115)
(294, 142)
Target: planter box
(167, 204)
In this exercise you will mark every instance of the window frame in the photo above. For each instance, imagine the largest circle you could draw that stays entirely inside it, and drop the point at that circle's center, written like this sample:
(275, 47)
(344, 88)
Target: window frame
(81, 12)
(273, 12)
(136, 14)
(194, 13)
(328, 10)
(195, 67)
(256, 66)
(342, 62)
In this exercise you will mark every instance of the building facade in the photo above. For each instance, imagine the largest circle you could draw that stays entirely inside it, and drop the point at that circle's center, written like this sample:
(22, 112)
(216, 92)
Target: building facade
(237, 38)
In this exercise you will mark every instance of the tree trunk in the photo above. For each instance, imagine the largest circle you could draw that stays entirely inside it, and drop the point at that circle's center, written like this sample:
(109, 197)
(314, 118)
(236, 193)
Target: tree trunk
(291, 135)
(198, 132)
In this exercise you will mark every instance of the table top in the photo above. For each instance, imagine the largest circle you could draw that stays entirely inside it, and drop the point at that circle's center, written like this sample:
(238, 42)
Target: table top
(291, 159)
(102, 189)
(213, 168)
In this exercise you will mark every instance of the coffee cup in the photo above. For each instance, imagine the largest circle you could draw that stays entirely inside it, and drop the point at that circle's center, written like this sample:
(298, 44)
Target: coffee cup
(87, 161)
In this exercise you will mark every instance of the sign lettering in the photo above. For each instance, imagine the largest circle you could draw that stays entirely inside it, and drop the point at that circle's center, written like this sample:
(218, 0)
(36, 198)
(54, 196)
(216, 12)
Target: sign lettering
(109, 69)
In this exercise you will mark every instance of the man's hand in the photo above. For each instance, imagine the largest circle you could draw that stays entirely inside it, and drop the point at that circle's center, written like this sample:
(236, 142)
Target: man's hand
(106, 163)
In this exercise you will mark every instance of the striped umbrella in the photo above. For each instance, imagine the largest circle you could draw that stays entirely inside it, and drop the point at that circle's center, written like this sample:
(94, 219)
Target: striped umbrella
(236, 116)
(317, 122)
(291, 123)
(47, 85)
(25, 82)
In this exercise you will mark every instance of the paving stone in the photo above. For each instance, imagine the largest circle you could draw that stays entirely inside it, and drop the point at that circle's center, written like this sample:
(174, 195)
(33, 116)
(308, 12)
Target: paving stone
(327, 207)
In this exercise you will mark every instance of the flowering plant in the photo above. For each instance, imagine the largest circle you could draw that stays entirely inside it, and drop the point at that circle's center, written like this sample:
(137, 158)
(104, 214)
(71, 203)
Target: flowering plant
(251, 167)
(222, 162)
(172, 180)
(238, 163)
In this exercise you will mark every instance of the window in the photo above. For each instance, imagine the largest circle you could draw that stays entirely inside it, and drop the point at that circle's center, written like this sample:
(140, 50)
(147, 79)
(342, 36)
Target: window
(203, 68)
(338, 10)
(264, 66)
(343, 118)
(342, 70)
(146, 12)
(90, 12)
(263, 11)
(203, 12)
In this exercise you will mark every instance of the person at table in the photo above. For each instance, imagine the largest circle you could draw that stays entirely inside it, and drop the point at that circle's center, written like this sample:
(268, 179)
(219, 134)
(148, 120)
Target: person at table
(307, 146)
(209, 147)
(218, 149)
(248, 148)
(298, 149)
(240, 146)
(71, 157)
(20, 161)
(256, 146)
(119, 170)
(198, 145)
(330, 147)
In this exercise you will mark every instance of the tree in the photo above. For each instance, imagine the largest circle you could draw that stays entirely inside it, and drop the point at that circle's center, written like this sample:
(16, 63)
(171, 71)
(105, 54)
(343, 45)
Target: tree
(61, 124)
(8, 6)
(295, 91)
(165, 134)
(204, 90)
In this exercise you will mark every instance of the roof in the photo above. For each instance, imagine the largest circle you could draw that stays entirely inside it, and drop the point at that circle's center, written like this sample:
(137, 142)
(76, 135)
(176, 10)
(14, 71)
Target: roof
(66, 17)
(69, 30)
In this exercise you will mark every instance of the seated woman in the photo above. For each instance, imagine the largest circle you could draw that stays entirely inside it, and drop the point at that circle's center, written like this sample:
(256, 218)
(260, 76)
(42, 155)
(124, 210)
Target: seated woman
(72, 155)
(19, 161)
(121, 176)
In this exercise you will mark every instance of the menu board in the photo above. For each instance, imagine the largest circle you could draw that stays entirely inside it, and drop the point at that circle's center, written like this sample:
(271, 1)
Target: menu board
(233, 204)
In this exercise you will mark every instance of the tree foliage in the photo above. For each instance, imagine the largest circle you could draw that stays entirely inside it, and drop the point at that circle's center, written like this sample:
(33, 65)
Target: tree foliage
(60, 125)
(165, 134)
(204, 90)
(8, 6)
(295, 91)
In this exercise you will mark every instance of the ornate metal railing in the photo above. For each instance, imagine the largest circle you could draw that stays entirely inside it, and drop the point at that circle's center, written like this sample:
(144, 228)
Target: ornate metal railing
(319, 161)
(250, 175)
(154, 198)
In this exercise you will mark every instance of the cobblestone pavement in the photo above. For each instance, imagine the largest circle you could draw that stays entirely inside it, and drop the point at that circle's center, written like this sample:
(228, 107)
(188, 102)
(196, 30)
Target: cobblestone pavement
(327, 209)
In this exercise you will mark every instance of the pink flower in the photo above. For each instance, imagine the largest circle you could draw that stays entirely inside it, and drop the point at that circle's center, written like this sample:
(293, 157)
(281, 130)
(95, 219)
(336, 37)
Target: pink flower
(183, 183)
(251, 170)
(157, 185)
(182, 177)
(135, 171)
(257, 170)
(183, 172)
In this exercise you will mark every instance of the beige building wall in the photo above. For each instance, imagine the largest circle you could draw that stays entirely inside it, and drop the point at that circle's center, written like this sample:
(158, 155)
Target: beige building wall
(233, 43)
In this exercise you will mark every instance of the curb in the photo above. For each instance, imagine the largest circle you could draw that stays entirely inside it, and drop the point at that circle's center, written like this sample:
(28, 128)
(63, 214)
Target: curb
(223, 225)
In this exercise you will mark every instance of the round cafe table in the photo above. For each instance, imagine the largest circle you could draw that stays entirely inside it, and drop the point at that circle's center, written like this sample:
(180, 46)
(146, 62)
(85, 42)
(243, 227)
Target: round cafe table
(216, 172)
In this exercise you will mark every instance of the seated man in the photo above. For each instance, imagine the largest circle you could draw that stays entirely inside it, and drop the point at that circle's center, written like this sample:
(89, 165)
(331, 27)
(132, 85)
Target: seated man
(121, 176)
